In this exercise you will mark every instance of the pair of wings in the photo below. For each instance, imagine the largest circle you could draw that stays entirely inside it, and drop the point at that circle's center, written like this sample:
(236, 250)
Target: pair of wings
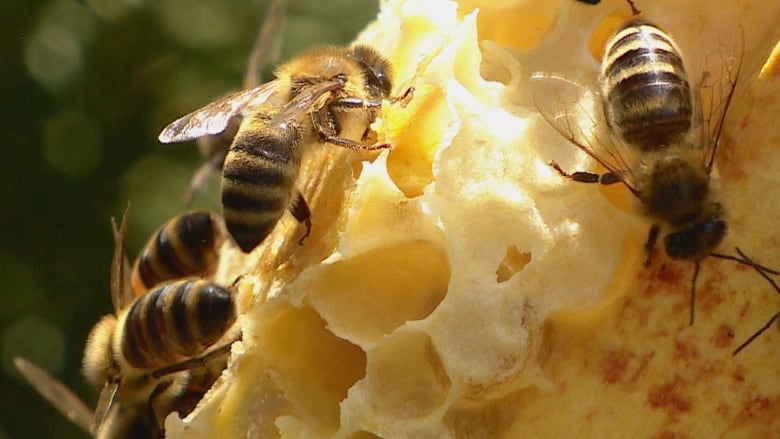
(214, 118)
(576, 112)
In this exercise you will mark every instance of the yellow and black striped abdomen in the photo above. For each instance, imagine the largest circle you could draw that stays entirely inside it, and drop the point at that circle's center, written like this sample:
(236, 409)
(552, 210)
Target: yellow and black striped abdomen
(185, 246)
(175, 322)
(646, 96)
(258, 178)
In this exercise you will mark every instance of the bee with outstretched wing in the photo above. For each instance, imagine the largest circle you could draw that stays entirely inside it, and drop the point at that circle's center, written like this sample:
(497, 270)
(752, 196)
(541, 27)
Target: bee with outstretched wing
(325, 95)
(644, 123)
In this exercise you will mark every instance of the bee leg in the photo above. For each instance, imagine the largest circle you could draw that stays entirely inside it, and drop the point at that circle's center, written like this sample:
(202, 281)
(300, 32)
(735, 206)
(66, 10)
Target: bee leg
(652, 238)
(579, 176)
(349, 144)
(299, 209)
(326, 130)
(194, 362)
(355, 103)
(158, 390)
(404, 97)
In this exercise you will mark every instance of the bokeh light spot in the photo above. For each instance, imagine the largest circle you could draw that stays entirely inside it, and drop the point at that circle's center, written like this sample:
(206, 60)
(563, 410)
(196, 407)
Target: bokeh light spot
(53, 56)
(54, 52)
(196, 23)
(73, 16)
(113, 9)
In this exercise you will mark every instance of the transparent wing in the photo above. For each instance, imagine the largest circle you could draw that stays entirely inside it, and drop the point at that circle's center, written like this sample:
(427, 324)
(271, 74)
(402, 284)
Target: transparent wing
(309, 99)
(121, 292)
(105, 401)
(575, 111)
(268, 42)
(215, 117)
(57, 394)
(715, 93)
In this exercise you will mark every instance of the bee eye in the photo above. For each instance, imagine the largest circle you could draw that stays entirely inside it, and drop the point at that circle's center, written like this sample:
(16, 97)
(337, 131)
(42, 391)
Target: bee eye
(697, 241)
(380, 80)
(714, 229)
(375, 68)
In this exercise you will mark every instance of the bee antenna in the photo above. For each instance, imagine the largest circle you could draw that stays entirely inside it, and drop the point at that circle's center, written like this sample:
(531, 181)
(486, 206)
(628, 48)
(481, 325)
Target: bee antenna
(756, 265)
(745, 260)
(763, 272)
(755, 335)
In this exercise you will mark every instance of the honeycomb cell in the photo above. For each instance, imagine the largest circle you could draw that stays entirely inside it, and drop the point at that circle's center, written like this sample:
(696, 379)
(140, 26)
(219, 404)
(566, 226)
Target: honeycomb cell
(312, 367)
(405, 377)
(486, 421)
(370, 295)
(410, 162)
(501, 23)
(513, 262)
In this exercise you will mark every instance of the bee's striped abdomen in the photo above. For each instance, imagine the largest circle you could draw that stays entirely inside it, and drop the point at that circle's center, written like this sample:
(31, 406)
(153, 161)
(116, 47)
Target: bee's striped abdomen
(257, 181)
(185, 246)
(647, 97)
(175, 322)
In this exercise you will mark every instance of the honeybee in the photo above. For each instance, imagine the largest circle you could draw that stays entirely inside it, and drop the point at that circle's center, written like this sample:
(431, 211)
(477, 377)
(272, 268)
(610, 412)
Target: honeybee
(185, 246)
(326, 95)
(156, 354)
(650, 135)
(143, 351)
(265, 50)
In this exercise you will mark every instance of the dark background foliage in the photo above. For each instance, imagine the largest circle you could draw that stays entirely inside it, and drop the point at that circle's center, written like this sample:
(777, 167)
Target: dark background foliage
(86, 87)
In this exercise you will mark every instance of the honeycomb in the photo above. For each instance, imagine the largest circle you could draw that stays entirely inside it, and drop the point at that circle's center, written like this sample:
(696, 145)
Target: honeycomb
(456, 286)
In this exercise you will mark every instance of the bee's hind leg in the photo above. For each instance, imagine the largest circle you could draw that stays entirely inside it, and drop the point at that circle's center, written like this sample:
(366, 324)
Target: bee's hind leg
(587, 177)
(299, 209)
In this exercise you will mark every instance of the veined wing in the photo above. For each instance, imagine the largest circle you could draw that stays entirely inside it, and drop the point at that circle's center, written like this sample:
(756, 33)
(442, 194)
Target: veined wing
(105, 401)
(215, 117)
(57, 394)
(121, 292)
(715, 99)
(310, 99)
(268, 42)
(575, 111)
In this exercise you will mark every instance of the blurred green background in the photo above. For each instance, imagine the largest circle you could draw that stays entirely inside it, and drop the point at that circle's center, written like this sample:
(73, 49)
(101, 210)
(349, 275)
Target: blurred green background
(86, 88)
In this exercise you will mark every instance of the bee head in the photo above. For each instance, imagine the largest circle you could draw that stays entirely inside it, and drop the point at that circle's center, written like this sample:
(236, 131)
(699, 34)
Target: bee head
(697, 242)
(376, 69)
